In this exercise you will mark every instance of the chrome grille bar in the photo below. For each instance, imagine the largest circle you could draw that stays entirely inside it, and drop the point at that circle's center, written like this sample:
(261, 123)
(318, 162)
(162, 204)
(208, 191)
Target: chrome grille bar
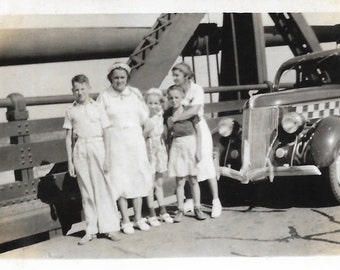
(262, 129)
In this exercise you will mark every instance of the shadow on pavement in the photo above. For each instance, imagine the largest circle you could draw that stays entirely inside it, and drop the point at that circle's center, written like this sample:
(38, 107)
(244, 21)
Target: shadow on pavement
(310, 191)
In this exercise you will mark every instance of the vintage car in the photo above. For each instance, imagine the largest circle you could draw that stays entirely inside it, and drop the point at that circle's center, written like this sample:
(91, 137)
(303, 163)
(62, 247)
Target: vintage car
(290, 131)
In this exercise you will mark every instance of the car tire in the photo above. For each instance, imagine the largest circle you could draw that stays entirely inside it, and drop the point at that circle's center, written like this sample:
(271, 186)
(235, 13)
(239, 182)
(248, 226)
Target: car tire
(334, 178)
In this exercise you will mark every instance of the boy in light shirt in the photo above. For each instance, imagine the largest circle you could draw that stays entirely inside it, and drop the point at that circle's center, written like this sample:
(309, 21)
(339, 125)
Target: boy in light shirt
(89, 162)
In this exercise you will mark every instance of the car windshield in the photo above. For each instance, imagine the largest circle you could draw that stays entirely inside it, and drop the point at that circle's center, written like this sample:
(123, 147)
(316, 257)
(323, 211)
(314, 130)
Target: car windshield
(312, 72)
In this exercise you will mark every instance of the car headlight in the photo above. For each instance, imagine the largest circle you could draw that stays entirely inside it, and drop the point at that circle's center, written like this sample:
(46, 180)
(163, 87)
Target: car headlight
(225, 127)
(291, 122)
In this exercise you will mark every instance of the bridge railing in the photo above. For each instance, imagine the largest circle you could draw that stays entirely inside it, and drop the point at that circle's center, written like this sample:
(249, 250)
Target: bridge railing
(20, 200)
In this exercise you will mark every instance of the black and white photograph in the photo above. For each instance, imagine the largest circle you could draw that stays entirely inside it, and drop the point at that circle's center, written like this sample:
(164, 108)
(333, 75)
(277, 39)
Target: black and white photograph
(168, 135)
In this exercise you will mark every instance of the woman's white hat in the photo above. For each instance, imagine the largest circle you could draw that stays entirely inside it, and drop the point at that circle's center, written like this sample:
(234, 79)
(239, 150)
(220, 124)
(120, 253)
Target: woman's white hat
(120, 65)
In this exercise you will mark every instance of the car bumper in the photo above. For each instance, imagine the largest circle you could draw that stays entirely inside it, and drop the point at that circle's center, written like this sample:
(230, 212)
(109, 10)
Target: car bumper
(244, 176)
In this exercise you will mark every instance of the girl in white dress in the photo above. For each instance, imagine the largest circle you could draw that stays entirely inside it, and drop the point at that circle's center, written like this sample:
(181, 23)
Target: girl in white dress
(131, 172)
(194, 99)
(157, 154)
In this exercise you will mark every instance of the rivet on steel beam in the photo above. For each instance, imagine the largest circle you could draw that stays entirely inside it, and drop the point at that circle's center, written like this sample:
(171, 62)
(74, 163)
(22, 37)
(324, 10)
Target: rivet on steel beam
(26, 191)
(22, 156)
(29, 148)
(21, 200)
(22, 150)
(11, 186)
(19, 132)
(33, 183)
(19, 185)
(26, 130)
(30, 161)
(26, 184)
(19, 125)
(26, 124)
(23, 163)
(29, 155)
(33, 190)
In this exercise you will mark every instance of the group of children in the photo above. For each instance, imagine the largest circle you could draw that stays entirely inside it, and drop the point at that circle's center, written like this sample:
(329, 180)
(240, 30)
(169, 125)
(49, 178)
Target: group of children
(179, 140)
(171, 147)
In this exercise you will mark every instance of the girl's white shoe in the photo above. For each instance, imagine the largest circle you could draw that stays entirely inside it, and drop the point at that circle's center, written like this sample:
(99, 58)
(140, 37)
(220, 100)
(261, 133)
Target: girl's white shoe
(188, 206)
(128, 228)
(166, 218)
(141, 224)
(153, 221)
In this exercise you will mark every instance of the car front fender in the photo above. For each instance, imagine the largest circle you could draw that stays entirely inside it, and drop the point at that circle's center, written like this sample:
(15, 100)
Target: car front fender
(325, 143)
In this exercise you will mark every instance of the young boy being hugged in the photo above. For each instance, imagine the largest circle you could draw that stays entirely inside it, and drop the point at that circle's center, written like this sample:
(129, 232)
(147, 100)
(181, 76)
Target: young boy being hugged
(183, 153)
(89, 162)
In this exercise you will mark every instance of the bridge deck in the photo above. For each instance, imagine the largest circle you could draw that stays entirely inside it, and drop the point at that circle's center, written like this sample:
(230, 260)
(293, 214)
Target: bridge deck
(237, 233)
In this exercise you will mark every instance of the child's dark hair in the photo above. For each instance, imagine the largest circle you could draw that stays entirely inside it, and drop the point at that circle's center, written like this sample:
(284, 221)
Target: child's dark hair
(80, 79)
(175, 87)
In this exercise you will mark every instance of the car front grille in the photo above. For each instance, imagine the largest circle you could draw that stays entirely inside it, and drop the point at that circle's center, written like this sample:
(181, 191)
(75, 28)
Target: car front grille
(259, 130)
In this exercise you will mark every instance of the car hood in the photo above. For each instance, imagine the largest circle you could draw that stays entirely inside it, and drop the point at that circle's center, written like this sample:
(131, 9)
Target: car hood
(295, 96)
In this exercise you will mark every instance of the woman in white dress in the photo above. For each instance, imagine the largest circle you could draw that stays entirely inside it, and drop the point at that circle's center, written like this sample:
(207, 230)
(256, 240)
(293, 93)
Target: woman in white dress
(194, 101)
(131, 173)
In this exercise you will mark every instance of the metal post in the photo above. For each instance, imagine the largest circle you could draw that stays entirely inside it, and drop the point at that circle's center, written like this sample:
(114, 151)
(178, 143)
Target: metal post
(206, 40)
(193, 67)
(218, 71)
(217, 65)
(233, 31)
(243, 53)
(17, 112)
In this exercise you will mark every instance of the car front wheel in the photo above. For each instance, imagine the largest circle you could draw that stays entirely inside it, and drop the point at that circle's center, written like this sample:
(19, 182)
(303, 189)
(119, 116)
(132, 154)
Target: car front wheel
(334, 178)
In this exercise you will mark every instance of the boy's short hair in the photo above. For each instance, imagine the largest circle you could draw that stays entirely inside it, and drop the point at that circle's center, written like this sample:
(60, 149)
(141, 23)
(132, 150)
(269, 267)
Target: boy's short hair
(80, 79)
(175, 87)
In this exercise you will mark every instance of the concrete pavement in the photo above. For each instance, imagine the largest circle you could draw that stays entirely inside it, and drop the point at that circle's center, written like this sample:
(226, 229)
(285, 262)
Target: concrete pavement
(239, 232)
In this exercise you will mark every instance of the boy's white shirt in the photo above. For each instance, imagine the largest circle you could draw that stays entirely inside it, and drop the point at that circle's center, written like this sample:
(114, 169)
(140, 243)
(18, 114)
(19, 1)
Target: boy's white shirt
(90, 124)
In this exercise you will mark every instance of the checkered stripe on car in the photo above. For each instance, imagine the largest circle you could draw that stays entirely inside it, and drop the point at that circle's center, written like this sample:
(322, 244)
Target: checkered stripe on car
(319, 109)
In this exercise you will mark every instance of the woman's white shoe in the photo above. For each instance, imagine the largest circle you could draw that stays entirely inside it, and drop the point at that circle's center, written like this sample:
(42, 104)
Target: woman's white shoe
(216, 208)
